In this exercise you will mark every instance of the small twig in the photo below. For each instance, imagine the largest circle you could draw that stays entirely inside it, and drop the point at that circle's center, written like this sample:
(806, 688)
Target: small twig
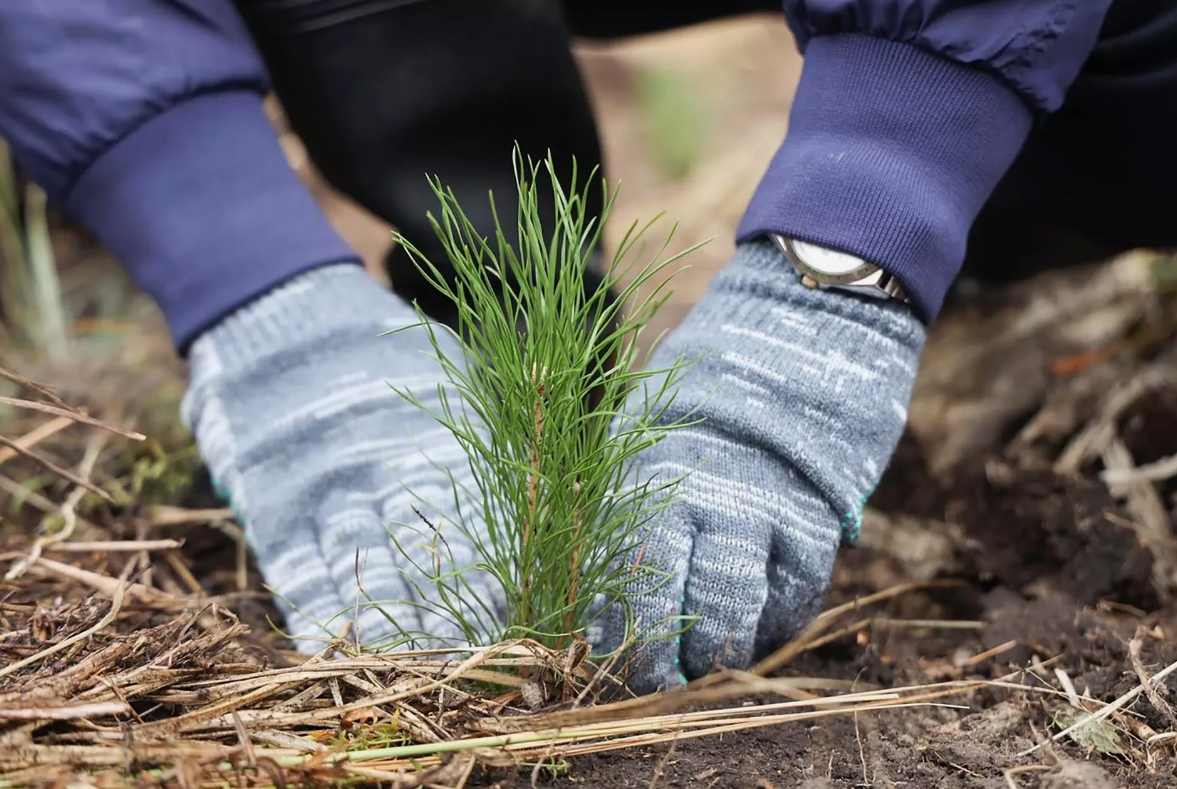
(56, 469)
(77, 416)
(36, 436)
(1150, 516)
(65, 713)
(1064, 679)
(1009, 773)
(178, 516)
(148, 576)
(539, 764)
(185, 575)
(824, 621)
(35, 499)
(68, 511)
(981, 657)
(660, 768)
(866, 781)
(241, 565)
(40, 389)
(1094, 438)
(853, 628)
(243, 739)
(284, 739)
(114, 546)
(102, 583)
(603, 670)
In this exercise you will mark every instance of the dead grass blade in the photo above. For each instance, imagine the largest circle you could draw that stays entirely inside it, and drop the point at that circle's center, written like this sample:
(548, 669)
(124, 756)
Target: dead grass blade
(72, 414)
(808, 637)
(36, 436)
(65, 474)
(114, 546)
(66, 713)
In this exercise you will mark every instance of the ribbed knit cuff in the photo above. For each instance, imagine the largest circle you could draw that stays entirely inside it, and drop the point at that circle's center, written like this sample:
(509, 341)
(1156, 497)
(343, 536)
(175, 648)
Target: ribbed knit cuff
(201, 207)
(327, 307)
(891, 153)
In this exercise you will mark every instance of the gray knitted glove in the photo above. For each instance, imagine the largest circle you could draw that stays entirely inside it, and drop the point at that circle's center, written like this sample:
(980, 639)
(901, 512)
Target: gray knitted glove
(804, 396)
(292, 410)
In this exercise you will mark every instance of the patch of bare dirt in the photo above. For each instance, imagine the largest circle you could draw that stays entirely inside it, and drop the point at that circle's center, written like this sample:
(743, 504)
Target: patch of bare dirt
(1052, 580)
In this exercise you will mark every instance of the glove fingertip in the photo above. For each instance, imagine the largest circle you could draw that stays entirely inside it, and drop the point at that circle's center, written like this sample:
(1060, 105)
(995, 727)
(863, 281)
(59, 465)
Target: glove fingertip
(658, 678)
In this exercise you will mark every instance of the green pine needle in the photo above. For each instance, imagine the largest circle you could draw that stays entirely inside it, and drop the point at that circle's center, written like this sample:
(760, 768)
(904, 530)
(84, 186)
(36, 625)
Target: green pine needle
(554, 483)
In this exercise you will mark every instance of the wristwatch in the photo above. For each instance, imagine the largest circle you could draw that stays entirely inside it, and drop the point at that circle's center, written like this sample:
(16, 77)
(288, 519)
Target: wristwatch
(821, 267)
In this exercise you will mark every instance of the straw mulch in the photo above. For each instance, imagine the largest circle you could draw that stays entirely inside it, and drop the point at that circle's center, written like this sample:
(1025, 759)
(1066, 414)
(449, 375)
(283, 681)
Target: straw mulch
(111, 681)
(121, 666)
(118, 669)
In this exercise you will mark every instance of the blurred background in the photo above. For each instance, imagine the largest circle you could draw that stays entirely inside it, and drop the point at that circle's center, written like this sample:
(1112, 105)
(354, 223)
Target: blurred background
(689, 120)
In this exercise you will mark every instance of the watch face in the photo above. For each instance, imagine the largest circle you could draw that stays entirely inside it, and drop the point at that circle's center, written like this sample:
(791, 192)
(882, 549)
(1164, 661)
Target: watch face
(827, 261)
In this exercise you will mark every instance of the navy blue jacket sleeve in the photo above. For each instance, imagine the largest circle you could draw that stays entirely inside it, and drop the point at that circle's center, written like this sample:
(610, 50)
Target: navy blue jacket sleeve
(143, 120)
(907, 115)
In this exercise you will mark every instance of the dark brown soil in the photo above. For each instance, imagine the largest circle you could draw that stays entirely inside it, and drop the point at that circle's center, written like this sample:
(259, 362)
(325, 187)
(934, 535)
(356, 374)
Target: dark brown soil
(1046, 562)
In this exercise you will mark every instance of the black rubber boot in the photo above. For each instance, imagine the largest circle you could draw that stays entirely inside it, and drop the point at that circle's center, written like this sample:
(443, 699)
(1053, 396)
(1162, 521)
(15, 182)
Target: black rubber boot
(384, 94)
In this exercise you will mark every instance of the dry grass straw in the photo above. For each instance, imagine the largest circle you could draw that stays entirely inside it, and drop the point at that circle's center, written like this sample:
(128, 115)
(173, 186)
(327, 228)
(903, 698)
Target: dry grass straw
(118, 669)
(116, 664)
(131, 683)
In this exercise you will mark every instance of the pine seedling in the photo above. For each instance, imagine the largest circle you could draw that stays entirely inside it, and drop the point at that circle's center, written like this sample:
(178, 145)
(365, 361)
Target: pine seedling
(557, 510)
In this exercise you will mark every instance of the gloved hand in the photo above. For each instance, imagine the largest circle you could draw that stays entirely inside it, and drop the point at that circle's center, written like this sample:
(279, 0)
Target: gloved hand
(804, 394)
(292, 409)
